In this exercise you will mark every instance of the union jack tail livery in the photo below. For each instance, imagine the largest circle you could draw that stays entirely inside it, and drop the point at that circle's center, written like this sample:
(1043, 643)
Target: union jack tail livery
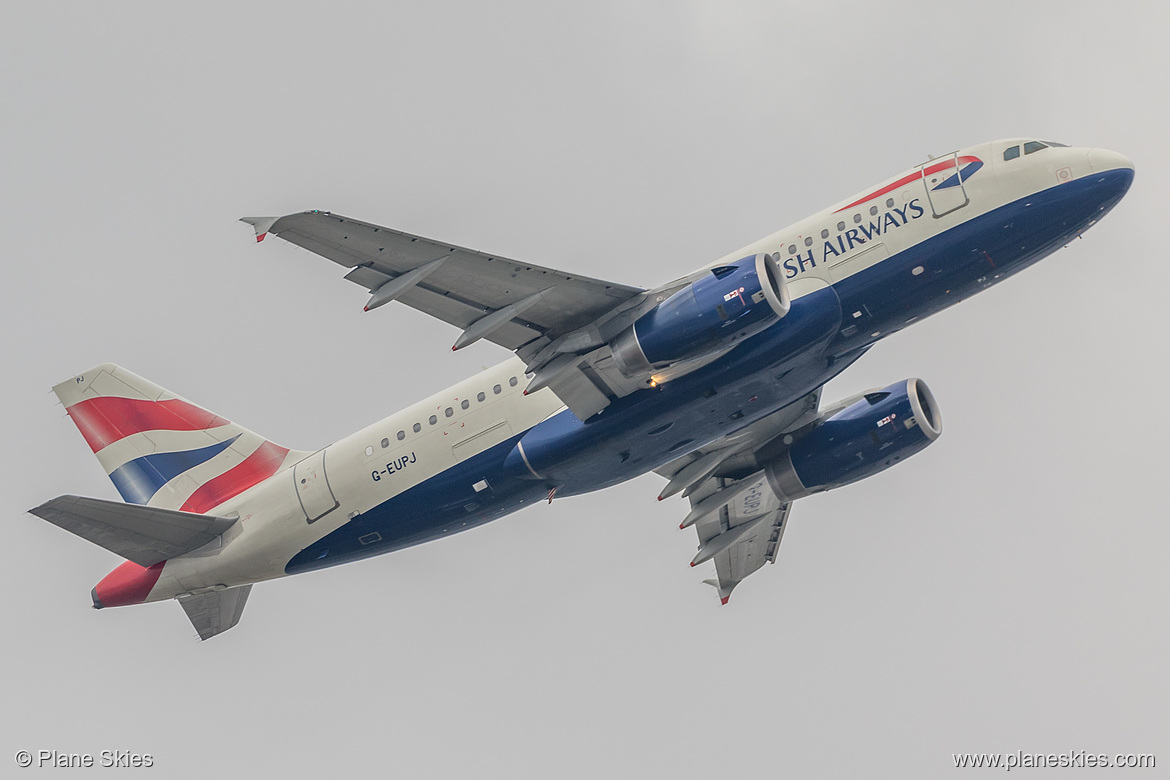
(161, 450)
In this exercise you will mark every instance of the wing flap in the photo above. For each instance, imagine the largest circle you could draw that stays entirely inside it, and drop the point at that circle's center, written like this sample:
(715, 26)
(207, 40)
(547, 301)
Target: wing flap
(143, 534)
(368, 276)
(578, 392)
(752, 527)
(739, 521)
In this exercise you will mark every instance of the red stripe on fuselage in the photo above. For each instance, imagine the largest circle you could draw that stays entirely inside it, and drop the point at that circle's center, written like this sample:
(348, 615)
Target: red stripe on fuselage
(103, 421)
(910, 179)
(256, 468)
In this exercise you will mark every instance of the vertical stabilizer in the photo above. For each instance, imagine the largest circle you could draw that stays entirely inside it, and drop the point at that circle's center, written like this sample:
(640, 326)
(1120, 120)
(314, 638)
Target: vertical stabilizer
(161, 450)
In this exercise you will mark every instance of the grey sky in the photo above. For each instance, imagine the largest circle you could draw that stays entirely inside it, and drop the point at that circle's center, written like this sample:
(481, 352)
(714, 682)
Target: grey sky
(1007, 589)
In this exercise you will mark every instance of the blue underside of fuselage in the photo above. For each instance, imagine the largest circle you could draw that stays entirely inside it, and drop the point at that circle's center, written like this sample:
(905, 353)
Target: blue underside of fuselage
(765, 373)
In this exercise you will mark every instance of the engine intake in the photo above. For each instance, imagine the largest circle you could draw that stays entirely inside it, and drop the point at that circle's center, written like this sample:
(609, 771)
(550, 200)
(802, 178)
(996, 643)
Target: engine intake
(727, 304)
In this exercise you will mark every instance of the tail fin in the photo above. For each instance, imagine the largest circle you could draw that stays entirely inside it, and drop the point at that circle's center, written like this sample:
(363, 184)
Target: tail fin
(161, 450)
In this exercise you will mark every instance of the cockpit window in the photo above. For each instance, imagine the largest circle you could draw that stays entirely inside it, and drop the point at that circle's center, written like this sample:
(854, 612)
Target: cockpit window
(1034, 146)
(1011, 153)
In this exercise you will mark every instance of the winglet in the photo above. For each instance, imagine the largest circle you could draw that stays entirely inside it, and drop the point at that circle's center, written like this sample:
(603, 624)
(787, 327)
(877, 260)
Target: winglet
(262, 225)
(724, 589)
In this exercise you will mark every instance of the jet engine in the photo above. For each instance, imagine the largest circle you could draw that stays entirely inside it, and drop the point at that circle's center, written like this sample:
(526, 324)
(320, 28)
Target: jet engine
(725, 305)
(884, 427)
(881, 428)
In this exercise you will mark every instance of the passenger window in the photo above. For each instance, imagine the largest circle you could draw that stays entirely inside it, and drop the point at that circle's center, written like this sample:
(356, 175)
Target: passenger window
(448, 412)
(496, 389)
(417, 427)
(480, 397)
(1033, 146)
(433, 419)
(465, 404)
(840, 227)
(792, 249)
(889, 203)
(857, 218)
(401, 435)
(512, 382)
(369, 450)
(385, 443)
(873, 211)
(1012, 153)
(808, 241)
(825, 233)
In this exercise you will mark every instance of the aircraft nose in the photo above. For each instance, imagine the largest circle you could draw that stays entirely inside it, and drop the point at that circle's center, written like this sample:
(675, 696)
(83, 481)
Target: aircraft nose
(1102, 160)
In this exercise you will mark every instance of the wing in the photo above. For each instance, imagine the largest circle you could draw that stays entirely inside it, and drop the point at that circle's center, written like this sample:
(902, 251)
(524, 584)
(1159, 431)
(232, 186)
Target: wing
(746, 531)
(517, 305)
(215, 612)
(144, 534)
(743, 536)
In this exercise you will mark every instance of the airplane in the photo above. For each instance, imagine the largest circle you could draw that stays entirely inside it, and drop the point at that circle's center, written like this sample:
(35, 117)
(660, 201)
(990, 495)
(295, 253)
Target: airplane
(712, 380)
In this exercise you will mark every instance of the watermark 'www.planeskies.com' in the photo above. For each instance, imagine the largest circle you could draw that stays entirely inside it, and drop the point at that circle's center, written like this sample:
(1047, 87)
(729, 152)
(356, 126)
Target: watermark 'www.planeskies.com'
(1070, 759)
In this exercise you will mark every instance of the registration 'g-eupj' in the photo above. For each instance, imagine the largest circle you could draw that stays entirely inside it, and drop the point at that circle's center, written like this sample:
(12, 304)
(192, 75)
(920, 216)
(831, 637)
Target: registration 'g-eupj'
(712, 380)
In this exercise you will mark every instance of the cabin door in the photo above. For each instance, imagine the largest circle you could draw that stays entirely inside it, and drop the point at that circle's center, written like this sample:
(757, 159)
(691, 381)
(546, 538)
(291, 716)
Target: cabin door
(313, 487)
(942, 178)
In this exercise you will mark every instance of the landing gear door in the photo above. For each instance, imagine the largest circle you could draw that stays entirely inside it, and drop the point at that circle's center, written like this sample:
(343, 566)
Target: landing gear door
(313, 489)
(943, 180)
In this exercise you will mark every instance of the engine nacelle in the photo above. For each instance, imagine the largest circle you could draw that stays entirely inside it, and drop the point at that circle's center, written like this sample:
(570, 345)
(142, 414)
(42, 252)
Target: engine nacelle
(729, 303)
(883, 428)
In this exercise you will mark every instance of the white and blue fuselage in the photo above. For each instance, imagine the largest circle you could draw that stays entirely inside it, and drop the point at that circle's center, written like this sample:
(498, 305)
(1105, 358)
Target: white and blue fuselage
(856, 272)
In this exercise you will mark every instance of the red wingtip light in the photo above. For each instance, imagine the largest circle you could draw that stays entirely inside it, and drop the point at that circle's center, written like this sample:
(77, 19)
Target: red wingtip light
(692, 564)
(260, 237)
(365, 308)
(454, 349)
(725, 599)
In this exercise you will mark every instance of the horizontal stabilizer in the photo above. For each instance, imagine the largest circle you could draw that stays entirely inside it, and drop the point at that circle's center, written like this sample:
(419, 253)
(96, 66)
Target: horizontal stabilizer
(215, 612)
(142, 534)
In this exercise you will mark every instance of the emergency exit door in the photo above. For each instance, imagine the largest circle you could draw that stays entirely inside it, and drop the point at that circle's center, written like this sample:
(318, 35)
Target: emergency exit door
(313, 489)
